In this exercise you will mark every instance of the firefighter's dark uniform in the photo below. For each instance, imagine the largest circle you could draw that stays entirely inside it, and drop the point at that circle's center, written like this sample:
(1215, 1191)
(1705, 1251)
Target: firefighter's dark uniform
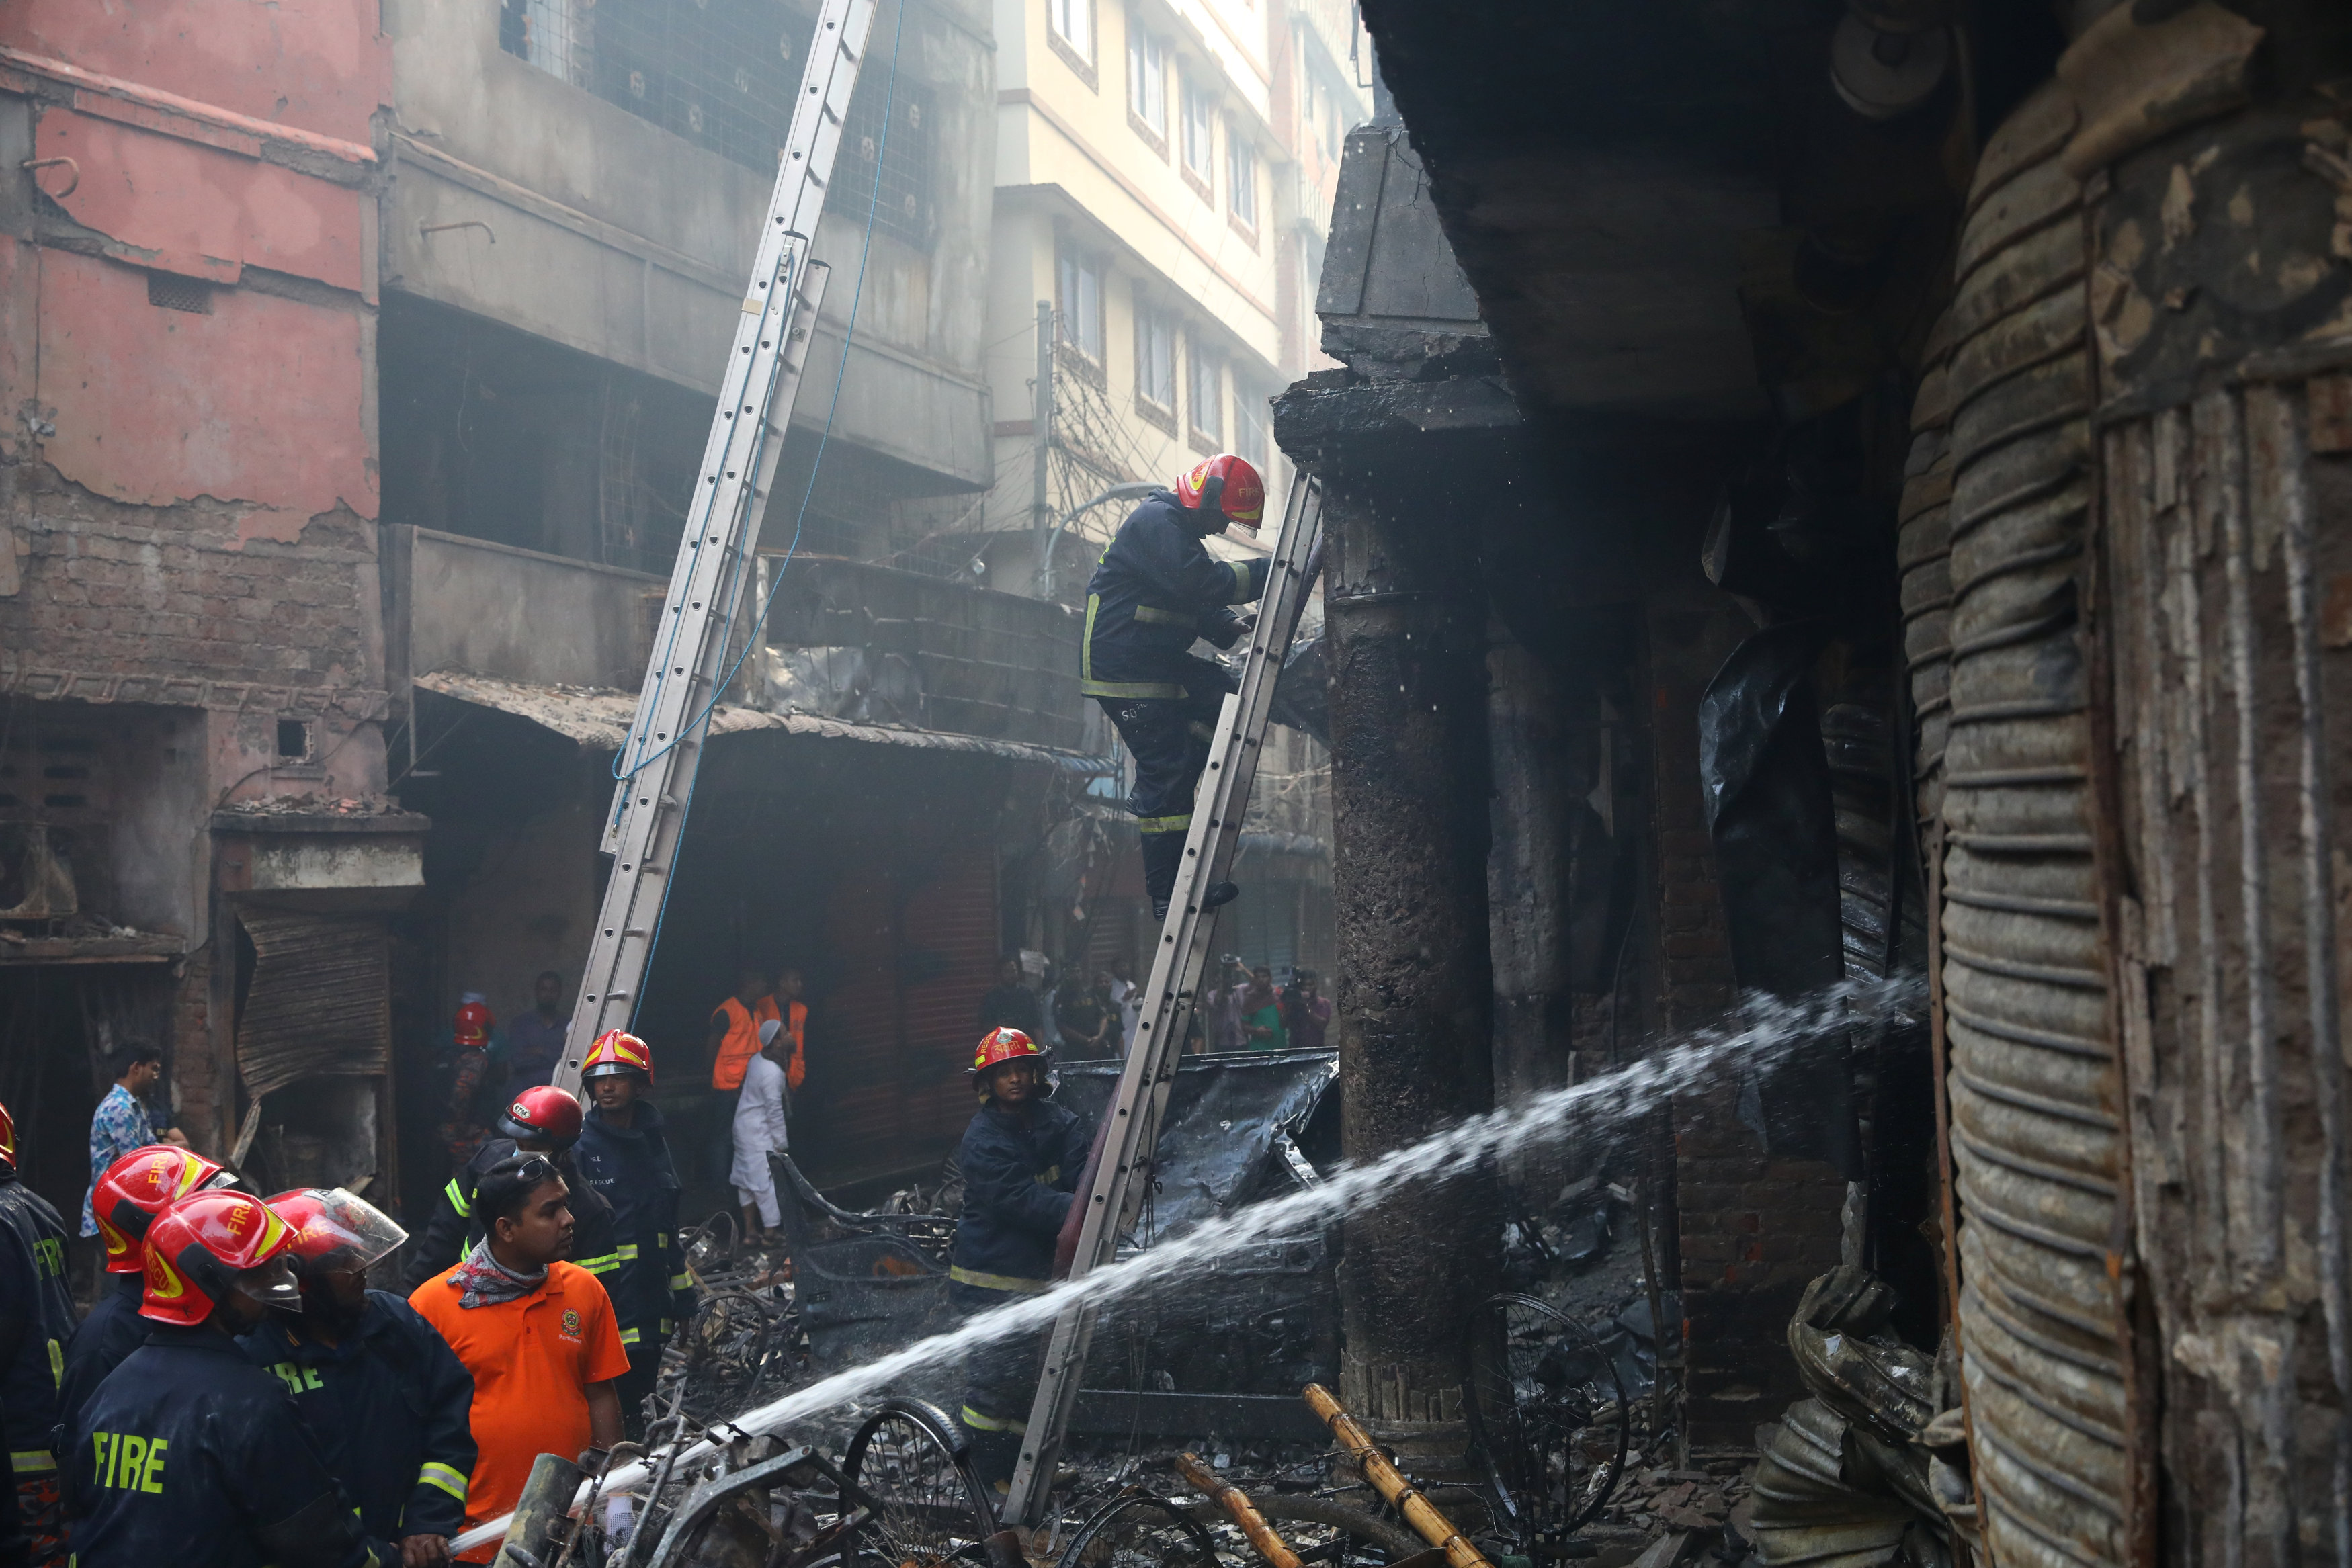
(1154, 590)
(14, 1550)
(1021, 1172)
(452, 1231)
(37, 1319)
(390, 1409)
(111, 1332)
(189, 1455)
(652, 1293)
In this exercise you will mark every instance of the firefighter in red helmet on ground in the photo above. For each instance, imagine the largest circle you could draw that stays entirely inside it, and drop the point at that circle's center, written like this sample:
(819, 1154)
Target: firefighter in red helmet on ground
(624, 1157)
(37, 1319)
(1021, 1158)
(385, 1398)
(188, 1453)
(543, 1120)
(125, 1201)
(1155, 589)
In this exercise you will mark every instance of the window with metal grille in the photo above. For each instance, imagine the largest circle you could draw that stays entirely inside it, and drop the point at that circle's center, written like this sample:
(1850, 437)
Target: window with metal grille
(1155, 363)
(1146, 82)
(1206, 394)
(1240, 176)
(1080, 282)
(1249, 414)
(1200, 134)
(724, 75)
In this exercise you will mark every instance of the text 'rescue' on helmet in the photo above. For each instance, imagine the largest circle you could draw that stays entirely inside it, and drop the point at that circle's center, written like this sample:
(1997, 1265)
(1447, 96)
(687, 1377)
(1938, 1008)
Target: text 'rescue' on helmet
(617, 1051)
(1224, 484)
(203, 1247)
(141, 1186)
(544, 1113)
(335, 1232)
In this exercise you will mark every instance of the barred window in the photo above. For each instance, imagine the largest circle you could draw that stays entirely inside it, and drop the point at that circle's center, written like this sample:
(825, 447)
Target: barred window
(1155, 358)
(1240, 176)
(1207, 414)
(1080, 285)
(1199, 135)
(1147, 82)
(1249, 414)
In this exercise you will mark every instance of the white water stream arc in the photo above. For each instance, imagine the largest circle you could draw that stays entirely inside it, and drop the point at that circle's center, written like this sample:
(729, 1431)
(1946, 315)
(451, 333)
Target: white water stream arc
(1760, 1036)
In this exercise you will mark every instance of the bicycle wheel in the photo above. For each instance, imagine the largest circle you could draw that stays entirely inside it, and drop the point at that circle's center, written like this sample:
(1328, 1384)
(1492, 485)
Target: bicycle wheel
(1140, 1530)
(908, 1462)
(1532, 1396)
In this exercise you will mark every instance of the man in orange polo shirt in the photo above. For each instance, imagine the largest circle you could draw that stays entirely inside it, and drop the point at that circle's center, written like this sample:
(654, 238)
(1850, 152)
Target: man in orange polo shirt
(536, 1333)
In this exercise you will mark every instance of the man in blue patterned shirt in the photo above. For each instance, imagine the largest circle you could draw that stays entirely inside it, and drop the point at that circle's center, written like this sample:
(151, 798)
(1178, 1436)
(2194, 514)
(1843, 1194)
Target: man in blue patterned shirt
(120, 1123)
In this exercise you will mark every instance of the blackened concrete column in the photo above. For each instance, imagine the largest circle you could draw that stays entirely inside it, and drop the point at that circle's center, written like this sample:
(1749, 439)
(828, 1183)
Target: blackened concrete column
(1409, 808)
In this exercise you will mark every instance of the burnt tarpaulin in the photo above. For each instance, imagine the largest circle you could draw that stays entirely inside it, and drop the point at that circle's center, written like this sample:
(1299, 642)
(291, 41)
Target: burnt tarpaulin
(320, 1002)
(1229, 1126)
(1765, 779)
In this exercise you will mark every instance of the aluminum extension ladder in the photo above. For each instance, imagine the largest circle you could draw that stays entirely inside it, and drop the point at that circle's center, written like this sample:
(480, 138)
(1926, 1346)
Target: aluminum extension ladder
(714, 559)
(1123, 1173)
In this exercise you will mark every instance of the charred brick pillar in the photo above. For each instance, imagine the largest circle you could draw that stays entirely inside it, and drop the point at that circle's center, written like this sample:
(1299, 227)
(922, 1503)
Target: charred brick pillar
(1409, 871)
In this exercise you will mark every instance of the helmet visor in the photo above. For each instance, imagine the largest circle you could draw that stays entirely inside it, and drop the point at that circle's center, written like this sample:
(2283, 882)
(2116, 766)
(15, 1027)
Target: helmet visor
(272, 1284)
(346, 1233)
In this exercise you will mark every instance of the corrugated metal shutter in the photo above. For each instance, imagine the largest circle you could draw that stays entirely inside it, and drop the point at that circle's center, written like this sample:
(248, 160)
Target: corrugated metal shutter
(319, 1004)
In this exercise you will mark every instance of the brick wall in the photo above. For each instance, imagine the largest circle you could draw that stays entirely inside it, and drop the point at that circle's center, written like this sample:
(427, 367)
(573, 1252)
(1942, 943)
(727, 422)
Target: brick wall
(1751, 1231)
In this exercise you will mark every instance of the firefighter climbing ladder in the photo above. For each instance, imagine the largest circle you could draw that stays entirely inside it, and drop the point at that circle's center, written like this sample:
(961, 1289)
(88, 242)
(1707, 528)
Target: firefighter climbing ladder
(1123, 1173)
(683, 677)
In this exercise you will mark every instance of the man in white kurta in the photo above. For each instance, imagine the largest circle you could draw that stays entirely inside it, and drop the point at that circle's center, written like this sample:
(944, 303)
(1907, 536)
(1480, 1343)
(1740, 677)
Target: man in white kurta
(760, 1131)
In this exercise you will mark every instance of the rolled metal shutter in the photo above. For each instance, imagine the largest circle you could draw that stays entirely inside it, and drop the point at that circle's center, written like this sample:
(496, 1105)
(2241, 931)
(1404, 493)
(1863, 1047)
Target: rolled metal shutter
(2037, 1139)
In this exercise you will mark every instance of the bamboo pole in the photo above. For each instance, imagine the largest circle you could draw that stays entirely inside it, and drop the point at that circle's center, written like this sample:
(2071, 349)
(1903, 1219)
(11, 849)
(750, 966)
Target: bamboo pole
(1235, 1501)
(1418, 1510)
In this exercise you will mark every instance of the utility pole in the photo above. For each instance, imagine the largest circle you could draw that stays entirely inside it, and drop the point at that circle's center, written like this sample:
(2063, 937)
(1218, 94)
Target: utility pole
(1041, 427)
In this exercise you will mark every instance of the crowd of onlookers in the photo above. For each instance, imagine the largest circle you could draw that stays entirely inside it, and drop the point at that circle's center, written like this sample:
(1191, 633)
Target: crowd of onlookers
(1083, 1017)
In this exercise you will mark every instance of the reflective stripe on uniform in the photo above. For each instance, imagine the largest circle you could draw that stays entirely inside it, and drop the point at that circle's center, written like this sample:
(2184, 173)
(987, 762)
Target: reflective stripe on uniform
(628, 1336)
(32, 1462)
(1135, 690)
(1163, 824)
(459, 1200)
(1153, 615)
(1241, 569)
(979, 1423)
(602, 1264)
(448, 1477)
(681, 1281)
(626, 1252)
(963, 1276)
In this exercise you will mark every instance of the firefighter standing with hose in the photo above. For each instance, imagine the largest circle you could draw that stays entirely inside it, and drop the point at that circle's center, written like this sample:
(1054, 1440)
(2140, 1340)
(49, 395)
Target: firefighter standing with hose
(542, 1120)
(188, 1453)
(386, 1399)
(624, 1155)
(1155, 589)
(1021, 1156)
(128, 1197)
(37, 1319)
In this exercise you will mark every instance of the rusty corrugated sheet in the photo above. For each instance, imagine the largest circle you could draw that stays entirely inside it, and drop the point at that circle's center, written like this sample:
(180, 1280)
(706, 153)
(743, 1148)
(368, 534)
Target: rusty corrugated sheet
(2037, 1136)
(320, 1002)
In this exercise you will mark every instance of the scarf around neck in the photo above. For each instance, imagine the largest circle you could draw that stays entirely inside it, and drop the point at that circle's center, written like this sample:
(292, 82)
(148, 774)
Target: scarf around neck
(487, 1282)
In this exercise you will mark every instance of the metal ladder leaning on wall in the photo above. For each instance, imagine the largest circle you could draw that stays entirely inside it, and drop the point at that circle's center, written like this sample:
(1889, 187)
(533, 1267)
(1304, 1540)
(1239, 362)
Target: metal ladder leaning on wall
(1123, 1175)
(756, 394)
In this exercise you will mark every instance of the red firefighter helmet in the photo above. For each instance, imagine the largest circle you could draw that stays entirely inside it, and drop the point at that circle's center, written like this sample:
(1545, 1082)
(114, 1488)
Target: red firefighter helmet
(545, 1112)
(7, 1139)
(1226, 483)
(999, 1046)
(207, 1245)
(335, 1231)
(141, 1186)
(473, 1025)
(618, 1051)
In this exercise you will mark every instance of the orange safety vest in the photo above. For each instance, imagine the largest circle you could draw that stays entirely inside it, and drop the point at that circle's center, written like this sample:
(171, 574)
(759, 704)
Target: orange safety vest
(797, 1030)
(742, 1041)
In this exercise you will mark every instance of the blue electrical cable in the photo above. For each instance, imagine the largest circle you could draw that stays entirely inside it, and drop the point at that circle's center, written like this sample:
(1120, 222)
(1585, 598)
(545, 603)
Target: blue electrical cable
(799, 519)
